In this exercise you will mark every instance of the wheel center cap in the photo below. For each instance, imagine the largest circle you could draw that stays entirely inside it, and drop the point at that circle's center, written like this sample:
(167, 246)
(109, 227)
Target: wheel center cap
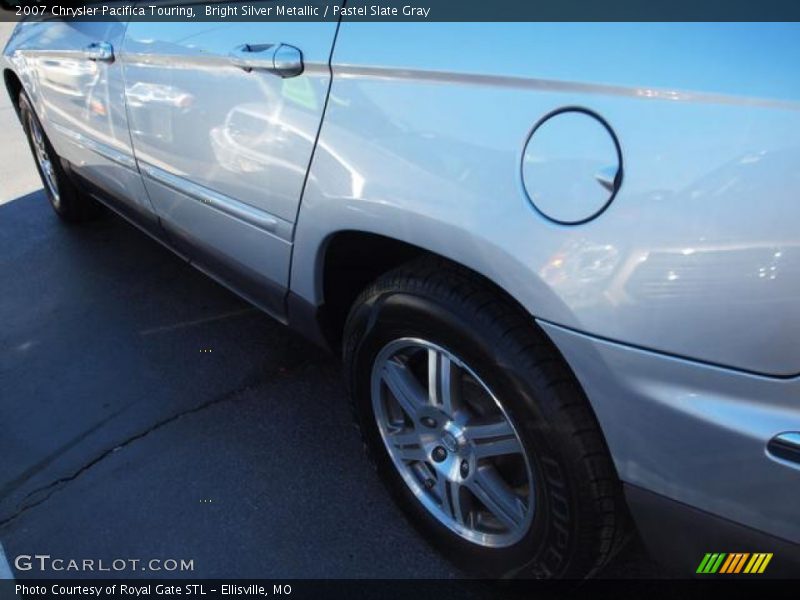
(449, 441)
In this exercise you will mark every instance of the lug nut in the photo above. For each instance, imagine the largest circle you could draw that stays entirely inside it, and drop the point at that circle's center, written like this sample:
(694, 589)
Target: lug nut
(464, 469)
(428, 422)
(439, 454)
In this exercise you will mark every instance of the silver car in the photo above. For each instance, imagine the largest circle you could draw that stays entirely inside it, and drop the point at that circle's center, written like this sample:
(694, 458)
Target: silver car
(561, 262)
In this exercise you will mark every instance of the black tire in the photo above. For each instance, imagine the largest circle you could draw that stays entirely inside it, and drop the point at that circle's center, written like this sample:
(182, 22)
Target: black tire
(68, 203)
(580, 520)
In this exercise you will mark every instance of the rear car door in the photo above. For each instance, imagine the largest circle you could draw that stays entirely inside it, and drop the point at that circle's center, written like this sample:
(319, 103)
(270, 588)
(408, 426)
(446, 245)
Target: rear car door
(224, 118)
(80, 97)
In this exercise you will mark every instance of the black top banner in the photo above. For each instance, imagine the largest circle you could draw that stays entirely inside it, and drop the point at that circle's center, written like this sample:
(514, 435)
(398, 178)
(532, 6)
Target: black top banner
(404, 10)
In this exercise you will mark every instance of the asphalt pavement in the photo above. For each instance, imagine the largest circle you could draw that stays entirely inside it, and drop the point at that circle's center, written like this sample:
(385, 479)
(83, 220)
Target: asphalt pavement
(149, 413)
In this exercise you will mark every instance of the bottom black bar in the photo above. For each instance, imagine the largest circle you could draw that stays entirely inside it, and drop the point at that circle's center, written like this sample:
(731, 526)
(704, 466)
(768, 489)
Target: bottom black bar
(381, 589)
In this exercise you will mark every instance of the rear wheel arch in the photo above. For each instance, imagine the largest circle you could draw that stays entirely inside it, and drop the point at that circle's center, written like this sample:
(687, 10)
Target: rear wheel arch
(372, 256)
(509, 341)
(13, 86)
(350, 260)
(64, 197)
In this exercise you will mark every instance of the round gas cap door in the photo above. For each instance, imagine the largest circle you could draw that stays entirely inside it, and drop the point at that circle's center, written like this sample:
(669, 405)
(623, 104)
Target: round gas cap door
(572, 166)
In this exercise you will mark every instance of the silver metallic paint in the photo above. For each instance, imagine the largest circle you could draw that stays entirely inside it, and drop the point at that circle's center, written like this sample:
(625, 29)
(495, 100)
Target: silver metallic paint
(82, 141)
(693, 433)
(698, 254)
(81, 101)
(697, 257)
(215, 200)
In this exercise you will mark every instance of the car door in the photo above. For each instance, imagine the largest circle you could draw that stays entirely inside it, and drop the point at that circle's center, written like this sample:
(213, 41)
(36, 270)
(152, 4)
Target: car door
(81, 99)
(224, 118)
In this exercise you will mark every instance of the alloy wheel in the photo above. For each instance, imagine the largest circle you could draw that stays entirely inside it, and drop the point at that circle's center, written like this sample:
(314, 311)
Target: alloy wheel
(43, 159)
(452, 442)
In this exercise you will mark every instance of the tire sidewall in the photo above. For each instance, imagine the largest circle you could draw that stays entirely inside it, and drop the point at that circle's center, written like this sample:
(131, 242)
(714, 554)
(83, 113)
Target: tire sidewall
(545, 549)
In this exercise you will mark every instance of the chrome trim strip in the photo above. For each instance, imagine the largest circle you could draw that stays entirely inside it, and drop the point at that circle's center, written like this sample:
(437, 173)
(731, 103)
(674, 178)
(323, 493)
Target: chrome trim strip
(234, 208)
(345, 71)
(103, 150)
(198, 61)
(50, 53)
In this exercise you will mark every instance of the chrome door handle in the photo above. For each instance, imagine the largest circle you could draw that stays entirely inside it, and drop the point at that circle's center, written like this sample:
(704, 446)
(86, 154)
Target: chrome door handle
(99, 51)
(281, 59)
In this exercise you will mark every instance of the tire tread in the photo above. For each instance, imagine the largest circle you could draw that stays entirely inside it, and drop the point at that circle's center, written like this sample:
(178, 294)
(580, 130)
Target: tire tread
(463, 291)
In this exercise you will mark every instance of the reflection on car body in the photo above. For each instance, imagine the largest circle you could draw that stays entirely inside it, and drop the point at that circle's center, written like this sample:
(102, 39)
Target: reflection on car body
(569, 281)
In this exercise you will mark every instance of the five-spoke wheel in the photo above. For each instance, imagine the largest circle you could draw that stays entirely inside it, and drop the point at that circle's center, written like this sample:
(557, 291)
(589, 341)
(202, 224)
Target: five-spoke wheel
(43, 160)
(64, 196)
(452, 442)
(478, 428)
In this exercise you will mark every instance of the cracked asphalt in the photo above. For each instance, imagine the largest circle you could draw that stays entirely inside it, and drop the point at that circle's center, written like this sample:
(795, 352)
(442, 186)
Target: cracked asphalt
(122, 438)
(148, 413)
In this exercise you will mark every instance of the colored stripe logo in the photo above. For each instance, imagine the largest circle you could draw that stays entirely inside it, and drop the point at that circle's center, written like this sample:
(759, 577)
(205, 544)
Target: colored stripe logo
(734, 563)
